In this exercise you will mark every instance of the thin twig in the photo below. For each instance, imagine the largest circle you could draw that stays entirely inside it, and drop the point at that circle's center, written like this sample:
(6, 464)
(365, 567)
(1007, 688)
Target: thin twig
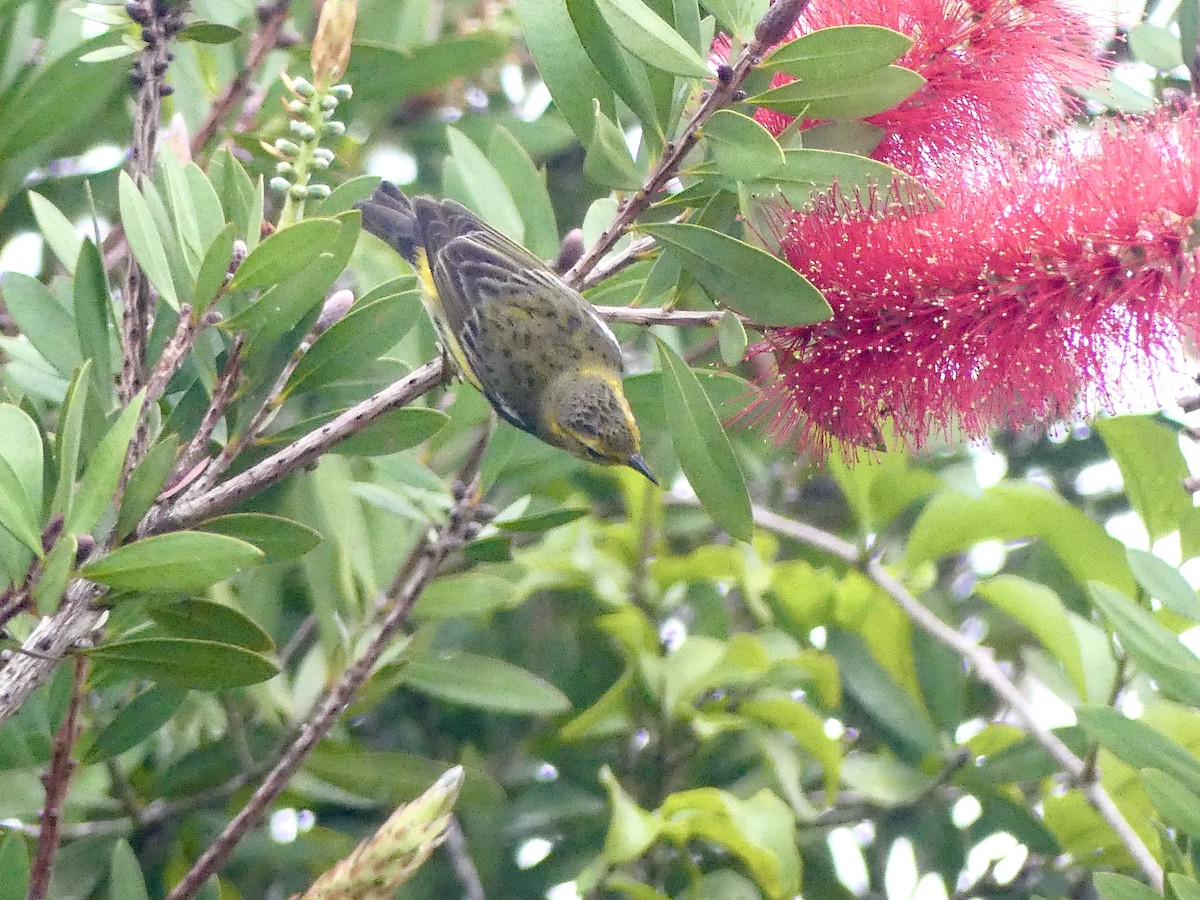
(222, 396)
(460, 859)
(986, 669)
(263, 42)
(424, 562)
(56, 780)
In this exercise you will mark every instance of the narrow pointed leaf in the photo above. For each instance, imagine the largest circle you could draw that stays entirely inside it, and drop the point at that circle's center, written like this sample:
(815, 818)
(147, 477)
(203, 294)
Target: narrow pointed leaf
(100, 479)
(763, 288)
(60, 234)
(144, 240)
(182, 561)
(741, 147)
(204, 665)
(208, 620)
(285, 253)
(846, 51)
(842, 99)
(488, 193)
(640, 31)
(279, 538)
(703, 447)
(484, 683)
(608, 161)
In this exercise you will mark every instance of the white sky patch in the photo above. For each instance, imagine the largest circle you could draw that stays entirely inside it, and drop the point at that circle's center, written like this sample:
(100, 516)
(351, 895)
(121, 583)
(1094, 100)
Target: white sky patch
(848, 860)
(532, 852)
(23, 253)
(1127, 527)
(900, 874)
(392, 163)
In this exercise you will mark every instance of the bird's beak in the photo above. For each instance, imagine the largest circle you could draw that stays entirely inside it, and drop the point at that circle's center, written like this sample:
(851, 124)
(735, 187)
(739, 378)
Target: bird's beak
(638, 464)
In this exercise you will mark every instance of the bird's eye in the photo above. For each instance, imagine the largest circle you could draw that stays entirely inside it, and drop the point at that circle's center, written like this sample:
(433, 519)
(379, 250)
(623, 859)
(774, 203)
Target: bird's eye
(593, 454)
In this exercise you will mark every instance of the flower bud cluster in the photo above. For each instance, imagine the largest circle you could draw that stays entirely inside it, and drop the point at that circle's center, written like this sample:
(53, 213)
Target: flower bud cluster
(311, 112)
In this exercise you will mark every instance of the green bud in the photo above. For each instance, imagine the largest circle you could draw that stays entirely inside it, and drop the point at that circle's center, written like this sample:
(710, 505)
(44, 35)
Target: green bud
(303, 87)
(318, 191)
(342, 91)
(333, 128)
(298, 192)
(324, 153)
(280, 184)
(286, 147)
(329, 102)
(303, 130)
(297, 107)
(284, 168)
(320, 162)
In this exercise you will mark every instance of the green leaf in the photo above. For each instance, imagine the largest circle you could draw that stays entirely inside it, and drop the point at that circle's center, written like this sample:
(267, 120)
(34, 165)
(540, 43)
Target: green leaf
(608, 161)
(56, 573)
(68, 439)
(1153, 469)
(461, 596)
(285, 253)
(183, 211)
(14, 867)
(856, 98)
(1183, 887)
(1111, 886)
(952, 522)
(281, 307)
(346, 194)
(208, 620)
(631, 830)
(487, 191)
(1164, 583)
(91, 316)
(1155, 46)
(568, 73)
(144, 239)
(386, 74)
(806, 726)
(106, 54)
(126, 881)
(203, 32)
(484, 683)
(17, 515)
(214, 268)
(145, 484)
(853, 180)
(394, 431)
(541, 521)
(181, 561)
(1187, 17)
(210, 216)
(364, 334)
(843, 52)
(650, 39)
(21, 448)
(622, 72)
(732, 339)
(135, 722)
(880, 694)
(528, 188)
(741, 147)
(703, 447)
(1179, 805)
(43, 321)
(1039, 609)
(1139, 745)
(103, 473)
(58, 231)
(738, 16)
(763, 288)
(1156, 650)
(203, 665)
(278, 538)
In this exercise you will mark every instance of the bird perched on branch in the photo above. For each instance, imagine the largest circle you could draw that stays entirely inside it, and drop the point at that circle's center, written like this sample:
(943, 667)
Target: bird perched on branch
(535, 348)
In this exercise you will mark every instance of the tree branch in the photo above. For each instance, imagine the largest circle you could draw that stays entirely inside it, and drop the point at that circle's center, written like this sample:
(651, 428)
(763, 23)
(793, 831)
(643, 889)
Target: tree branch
(986, 669)
(56, 780)
(422, 566)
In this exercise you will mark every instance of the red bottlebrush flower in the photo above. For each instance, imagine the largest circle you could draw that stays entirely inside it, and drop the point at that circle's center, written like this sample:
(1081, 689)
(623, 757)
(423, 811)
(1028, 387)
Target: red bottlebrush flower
(1034, 283)
(994, 70)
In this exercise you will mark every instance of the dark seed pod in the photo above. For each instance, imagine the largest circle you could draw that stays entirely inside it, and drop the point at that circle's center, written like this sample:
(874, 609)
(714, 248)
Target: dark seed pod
(775, 25)
(724, 73)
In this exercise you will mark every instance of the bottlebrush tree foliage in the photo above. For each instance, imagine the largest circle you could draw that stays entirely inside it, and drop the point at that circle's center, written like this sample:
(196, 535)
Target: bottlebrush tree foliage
(286, 612)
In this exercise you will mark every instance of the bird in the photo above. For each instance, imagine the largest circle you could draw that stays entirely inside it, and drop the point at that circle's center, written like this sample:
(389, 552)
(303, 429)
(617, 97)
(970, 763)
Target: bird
(533, 346)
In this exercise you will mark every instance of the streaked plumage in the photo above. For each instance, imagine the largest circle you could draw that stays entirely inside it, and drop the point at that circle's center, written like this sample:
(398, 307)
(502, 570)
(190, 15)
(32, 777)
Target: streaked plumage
(535, 348)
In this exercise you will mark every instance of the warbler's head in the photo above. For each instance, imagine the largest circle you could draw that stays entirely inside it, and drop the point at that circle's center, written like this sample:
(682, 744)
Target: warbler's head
(586, 413)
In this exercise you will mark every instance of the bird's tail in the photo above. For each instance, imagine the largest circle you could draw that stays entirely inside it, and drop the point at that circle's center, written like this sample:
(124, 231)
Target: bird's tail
(389, 215)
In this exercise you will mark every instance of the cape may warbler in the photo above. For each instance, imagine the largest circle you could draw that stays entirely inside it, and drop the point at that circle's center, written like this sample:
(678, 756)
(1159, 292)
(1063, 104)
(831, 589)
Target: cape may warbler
(534, 347)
